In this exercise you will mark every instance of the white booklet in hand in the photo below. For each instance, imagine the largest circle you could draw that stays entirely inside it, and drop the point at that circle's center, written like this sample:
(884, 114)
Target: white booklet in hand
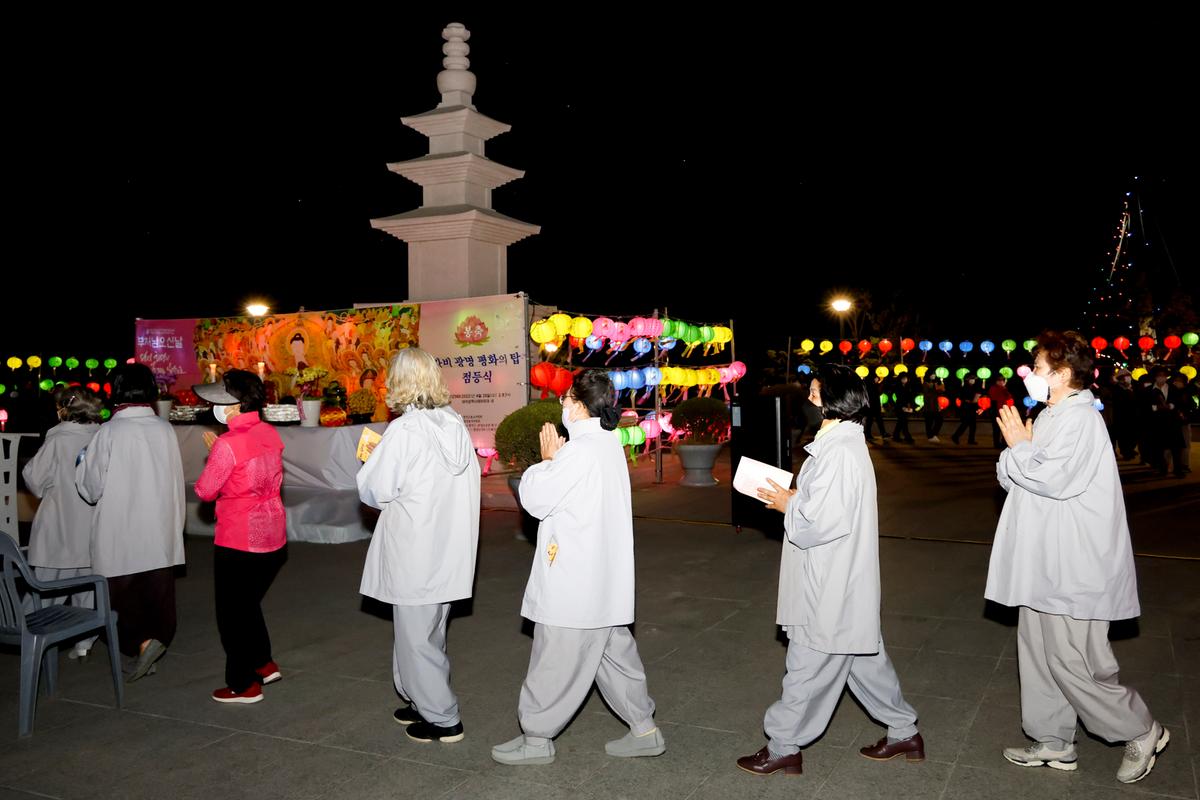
(752, 475)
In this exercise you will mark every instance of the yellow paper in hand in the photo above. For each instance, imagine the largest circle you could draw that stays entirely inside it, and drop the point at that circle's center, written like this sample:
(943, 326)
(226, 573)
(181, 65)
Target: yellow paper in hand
(552, 551)
(366, 443)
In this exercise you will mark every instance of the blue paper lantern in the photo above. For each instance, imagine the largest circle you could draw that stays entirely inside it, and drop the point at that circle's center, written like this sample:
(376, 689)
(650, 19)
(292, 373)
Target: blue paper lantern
(925, 345)
(946, 346)
(593, 343)
(966, 347)
(652, 376)
(987, 346)
(642, 346)
(804, 369)
(636, 379)
(619, 380)
(1029, 402)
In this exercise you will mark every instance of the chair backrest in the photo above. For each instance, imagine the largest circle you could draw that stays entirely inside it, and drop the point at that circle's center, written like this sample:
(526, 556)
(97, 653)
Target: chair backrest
(12, 615)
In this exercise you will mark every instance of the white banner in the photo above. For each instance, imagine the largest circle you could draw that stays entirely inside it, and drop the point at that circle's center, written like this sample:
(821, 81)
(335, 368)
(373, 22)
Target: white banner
(479, 343)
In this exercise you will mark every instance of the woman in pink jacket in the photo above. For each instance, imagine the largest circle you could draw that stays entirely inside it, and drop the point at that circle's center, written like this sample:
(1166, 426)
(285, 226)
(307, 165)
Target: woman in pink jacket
(244, 473)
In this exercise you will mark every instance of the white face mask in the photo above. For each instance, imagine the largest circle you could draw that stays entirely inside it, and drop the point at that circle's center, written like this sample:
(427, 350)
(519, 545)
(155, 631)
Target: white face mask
(1038, 387)
(566, 416)
(219, 413)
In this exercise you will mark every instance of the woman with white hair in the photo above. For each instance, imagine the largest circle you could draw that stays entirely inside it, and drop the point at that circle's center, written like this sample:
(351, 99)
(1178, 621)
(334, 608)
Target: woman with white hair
(424, 477)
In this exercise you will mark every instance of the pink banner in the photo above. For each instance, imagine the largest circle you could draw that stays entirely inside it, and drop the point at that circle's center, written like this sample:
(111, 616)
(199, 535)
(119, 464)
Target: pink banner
(166, 346)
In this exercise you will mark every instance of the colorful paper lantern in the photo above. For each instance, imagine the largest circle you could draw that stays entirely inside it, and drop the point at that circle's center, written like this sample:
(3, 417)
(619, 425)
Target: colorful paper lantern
(845, 346)
(542, 331)
(1098, 404)
(593, 343)
(652, 376)
(906, 345)
(943, 402)
(1138, 373)
(72, 362)
(55, 362)
(95, 387)
(619, 380)
(861, 371)
(110, 363)
(1008, 345)
(1121, 343)
(826, 346)
(900, 369)
(14, 362)
(942, 373)
(1171, 342)
(1146, 343)
(804, 369)
(91, 363)
(46, 385)
(34, 362)
(541, 374)
(1190, 371)
(651, 427)
(642, 346)
(864, 347)
(883, 399)
(961, 373)
(619, 333)
(985, 403)
(602, 327)
(1029, 345)
(636, 379)
(1191, 339)
(666, 344)
(1023, 370)
(966, 347)
(581, 327)
(946, 346)
(561, 323)
(3, 389)
(105, 414)
(739, 370)
(984, 373)
(919, 400)
(1099, 343)
(921, 370)
(1006, 372)
(806, 346)
(637, 327)
(1029, 402)
(881, 372)
(987, 346)
(885, 346)
(926, 345)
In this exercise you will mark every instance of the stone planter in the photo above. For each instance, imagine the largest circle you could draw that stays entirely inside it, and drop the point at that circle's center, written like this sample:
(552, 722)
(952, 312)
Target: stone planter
(697, 461)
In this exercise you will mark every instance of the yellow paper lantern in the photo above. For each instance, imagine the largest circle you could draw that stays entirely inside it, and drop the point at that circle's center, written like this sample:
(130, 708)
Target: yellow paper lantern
(711, 377)
(861, 371)
(1190, 371)
(543, 331)
(34, 362)
(581, 327)
(900, 369)
(921, 370)
(806, 346)
(14, 363)
(1138, 373)
(882, 372)
(826, 345)
(561, 323)
(724, 335)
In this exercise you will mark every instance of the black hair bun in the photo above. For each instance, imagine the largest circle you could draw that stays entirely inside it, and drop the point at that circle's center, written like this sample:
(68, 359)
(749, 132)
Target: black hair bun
(610, 418)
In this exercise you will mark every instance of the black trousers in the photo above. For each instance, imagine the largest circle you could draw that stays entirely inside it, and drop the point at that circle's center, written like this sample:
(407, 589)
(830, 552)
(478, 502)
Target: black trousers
(900, 431)
(145, 606)
(241, 581)
(933, 424)
(967, 425)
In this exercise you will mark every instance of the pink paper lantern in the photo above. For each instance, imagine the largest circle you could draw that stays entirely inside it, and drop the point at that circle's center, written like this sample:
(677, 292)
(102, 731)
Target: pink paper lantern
(1023, 370)
(602, 327)
(620, 332)
(651, 427)
(637, 328)
(738, 369)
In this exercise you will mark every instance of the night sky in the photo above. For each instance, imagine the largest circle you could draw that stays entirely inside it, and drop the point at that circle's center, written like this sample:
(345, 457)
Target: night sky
(719, 167)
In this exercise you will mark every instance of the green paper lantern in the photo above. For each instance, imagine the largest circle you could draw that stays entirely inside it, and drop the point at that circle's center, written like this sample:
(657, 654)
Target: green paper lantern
(984, 373)
(55, 362)
(61, 383)
(707, 334)
(46, 385)
(884, 399)
(961, 372)
(1029, 345)
(1006, 372)
(693, 334)
(105, 414)
(3, 388)
(920, 401)
(109, 363)
(91, 363)
(1008, 345)
(942, 373)
(637, 436)
(1190, 339)
(72, 362)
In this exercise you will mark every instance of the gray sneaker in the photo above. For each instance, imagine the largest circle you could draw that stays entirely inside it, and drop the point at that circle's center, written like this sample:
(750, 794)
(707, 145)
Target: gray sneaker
(1141, 753)
(1039, 754)
(518, 752)
(630, 746)
(145, 662)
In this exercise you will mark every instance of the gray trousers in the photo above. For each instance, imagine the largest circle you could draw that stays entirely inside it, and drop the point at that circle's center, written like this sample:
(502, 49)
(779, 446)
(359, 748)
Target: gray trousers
(420, 666)
(813, 685)
(1068, 669)
(562, 667)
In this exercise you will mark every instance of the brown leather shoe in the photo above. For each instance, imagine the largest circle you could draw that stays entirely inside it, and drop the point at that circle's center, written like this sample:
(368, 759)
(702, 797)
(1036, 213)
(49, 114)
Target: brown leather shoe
(761, 763)
(912, 748)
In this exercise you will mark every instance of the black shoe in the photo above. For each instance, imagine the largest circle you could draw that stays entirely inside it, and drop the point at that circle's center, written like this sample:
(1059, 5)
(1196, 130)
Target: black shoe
(428, 732)
(407, 715)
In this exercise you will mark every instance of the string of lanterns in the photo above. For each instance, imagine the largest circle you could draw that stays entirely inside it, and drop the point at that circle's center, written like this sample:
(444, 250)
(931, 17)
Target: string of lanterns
(640, 333)
(1146, 344)
(36, 363)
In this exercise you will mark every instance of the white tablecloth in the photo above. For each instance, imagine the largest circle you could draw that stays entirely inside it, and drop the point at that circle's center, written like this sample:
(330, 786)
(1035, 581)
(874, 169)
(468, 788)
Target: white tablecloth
(319, 492)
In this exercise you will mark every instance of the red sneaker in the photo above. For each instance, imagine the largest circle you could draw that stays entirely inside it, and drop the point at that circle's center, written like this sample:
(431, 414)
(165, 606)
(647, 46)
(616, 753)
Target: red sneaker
(269, 673)
(226, 695)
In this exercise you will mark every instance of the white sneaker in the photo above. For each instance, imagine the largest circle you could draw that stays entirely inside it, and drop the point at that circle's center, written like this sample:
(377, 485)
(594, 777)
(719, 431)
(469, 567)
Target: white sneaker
(519, 752)
(77, 652)
(630, 746)
(1039, 754)
(1141, 753)
(934, 439)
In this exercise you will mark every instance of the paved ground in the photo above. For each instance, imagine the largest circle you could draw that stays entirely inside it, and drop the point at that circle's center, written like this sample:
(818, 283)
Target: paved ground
(714, 658)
